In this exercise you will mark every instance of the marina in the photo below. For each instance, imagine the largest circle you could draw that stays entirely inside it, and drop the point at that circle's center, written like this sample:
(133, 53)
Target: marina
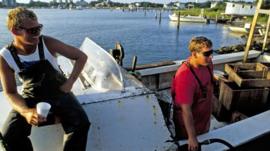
(126, 103)
(140, 35)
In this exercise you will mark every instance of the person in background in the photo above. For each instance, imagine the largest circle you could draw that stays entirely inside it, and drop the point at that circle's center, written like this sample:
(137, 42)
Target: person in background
(192, 90)
(33, 58)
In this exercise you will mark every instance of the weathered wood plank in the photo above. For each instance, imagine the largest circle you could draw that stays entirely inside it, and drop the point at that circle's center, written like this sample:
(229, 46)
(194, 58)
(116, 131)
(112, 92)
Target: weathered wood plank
(232, 74)
(246, 100)
(249, 74)
(152, 65)
(255, 83)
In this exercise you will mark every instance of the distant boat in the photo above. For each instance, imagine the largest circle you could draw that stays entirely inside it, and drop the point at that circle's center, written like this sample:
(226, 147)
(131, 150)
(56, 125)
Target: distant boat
(245, 29)
(188, 18)
(238, 29)
(79, 7)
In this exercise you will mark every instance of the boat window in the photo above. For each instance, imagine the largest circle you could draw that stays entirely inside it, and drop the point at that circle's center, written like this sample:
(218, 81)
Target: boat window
(251, 7)
(101, 70)
(243, 6)
(233, 5)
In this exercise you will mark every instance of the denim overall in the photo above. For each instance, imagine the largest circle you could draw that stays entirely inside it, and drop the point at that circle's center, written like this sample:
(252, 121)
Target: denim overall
(41, 82)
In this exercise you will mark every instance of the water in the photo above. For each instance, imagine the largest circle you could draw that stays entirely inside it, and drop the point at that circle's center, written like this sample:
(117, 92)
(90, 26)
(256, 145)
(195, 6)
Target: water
(139, 34)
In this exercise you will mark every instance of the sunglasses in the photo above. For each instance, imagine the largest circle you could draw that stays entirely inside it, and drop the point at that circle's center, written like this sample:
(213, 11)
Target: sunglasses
(208, 53)
(34, 30)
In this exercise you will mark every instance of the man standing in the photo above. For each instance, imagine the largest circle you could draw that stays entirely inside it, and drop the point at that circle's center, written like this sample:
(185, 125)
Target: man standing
(192, 92)
(33, 58)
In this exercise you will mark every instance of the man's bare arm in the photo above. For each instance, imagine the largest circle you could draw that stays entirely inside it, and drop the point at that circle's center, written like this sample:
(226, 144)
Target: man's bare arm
(9, 87)
(10, 91)
(189, 125)
(56, 46)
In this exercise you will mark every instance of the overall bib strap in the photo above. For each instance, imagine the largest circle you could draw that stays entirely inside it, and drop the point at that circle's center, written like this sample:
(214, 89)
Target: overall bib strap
(203, 89)
(40, 48)
(17, 60)
(13, 52)
(211, 74)
(194, 74)
(197, 78)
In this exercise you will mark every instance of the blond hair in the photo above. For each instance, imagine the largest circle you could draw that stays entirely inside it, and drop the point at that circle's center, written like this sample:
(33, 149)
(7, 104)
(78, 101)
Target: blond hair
(17, 15)
(197, 43)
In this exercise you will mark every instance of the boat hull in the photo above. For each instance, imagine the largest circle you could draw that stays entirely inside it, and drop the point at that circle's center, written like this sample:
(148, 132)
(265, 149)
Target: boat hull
(132, 123)
(238, 29)
(195, 19)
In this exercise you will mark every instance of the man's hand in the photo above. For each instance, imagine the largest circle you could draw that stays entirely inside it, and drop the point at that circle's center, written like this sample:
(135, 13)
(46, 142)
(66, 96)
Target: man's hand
(32, 117)
(193, 144)
(221, 78)
(189, 124)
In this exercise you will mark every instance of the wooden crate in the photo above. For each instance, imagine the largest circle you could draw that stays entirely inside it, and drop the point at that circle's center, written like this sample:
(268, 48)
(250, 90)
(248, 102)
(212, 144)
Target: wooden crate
(268, 65)
(249, 74)
(249, 101)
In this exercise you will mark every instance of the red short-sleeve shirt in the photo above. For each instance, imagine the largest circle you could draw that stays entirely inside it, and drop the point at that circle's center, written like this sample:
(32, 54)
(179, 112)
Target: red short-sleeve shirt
(186, 90)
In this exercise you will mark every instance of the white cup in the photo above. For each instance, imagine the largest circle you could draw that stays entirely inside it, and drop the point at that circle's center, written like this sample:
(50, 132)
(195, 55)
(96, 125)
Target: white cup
(43, 109)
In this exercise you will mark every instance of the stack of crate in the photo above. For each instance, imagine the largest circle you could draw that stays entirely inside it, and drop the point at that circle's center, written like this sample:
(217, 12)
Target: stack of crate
(248, 89)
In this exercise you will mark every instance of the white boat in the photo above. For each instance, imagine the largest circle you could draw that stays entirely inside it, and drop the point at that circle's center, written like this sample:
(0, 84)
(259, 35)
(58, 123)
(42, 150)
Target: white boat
(79, 7)
(238, 29)
(126, 115)
(245, 29)
(188, 18)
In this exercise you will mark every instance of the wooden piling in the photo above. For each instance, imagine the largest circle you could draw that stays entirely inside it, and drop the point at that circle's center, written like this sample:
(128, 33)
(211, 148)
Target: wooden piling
(159, 16)
(144, 11)
(178, 21)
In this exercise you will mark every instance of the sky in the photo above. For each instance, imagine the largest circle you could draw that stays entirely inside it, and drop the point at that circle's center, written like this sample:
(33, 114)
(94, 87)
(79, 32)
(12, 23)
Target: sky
(128, 1)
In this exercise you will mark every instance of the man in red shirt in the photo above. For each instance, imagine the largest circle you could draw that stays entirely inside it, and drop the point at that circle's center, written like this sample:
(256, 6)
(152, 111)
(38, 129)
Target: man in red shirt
(192, 92)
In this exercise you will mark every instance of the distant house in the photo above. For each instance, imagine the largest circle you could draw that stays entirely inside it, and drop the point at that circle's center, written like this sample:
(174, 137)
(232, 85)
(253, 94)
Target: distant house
(180, 5)
(132, 6)
(214, 3)
(190, 6)
(241, 9)
(174, 5)
(137, 4)
(103, 4)
(99, 5)
(81, 3)
(9, 3)
(165, 6)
